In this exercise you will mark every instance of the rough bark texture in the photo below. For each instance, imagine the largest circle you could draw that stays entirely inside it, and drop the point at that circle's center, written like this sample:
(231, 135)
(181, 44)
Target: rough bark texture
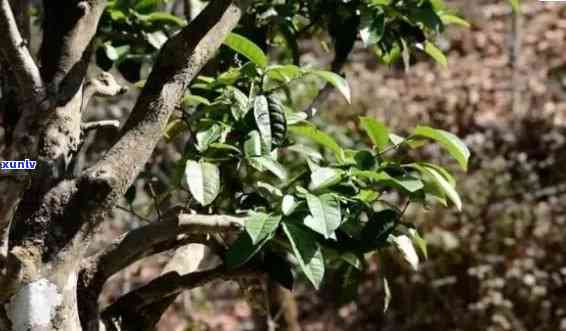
(51, 215)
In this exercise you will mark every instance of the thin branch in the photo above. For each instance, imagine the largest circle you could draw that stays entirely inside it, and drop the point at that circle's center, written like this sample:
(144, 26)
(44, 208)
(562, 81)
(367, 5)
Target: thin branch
(15, 52)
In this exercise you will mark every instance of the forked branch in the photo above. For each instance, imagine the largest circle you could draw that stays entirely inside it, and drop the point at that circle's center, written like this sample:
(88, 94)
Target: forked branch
(131, 308)
(15, 52)
(151, 239)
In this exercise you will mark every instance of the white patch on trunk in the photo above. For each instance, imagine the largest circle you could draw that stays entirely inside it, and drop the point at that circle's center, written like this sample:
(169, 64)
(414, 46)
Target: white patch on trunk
(34, 305)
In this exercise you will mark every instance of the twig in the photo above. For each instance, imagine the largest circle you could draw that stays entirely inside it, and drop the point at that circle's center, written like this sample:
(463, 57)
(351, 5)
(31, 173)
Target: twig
(15, 51)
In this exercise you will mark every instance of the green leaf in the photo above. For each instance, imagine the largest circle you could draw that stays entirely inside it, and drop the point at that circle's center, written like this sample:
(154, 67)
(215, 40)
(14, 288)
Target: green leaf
(449, 141)
(419, 242)
(307, 252)
(396, 139)
(110, 51)
(367, 196)
(225, 148)
(377, 131)
(449, 178)
(156, 39)
(288, 205)
(208, 136)
(352, 259)
(325, 215)
(239, 102)
(174, 128)
(435, 53)
(160, 18)
(191, 100)
(267, 190)
(405, 182)
(335, 80)
(441, 183)
(263, 121)
(307, 151)
(242, 250)
(266, 163)
(319, 137)
(378, 228)
(453, 19)
(295, 118)
(284, 73)
(387, 298)
(365, 160)
(426, 15)
(372, 29)
(380, 2)
(118, 15)
(203, 179)
(405, 246)
(516, 5)
(252, 145)
(140, 6)
(323, 178)
(247, 48)
(259, 226)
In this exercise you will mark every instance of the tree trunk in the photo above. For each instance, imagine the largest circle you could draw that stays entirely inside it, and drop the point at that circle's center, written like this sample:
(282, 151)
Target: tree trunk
(47, 282)
(45, 304)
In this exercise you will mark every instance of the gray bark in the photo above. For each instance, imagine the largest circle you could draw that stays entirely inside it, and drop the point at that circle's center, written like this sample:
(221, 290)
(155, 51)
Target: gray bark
(47, 281)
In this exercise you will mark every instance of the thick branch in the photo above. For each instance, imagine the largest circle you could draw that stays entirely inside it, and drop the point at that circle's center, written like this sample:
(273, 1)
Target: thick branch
(142, 242)
(89, 126)
(180, 60)
(129, 309)
(87, 199)
(15, 52)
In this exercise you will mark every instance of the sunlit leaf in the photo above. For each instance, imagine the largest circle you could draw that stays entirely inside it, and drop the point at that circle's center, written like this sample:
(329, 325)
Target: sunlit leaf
(203, 179)
(266, 163)
(263, 121)
(405, 182)
(174, 128)
(387, 296)
(318, 137)
(419, 242)
(405, 246)
(323, 178)
(453, 19)
(252, 145)
(449, 141)
(435, 53)
(259, 226)
(377, 131)
(247, 48)
(325, 215)
(335, 80)
(442, 183)
(307, 252)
